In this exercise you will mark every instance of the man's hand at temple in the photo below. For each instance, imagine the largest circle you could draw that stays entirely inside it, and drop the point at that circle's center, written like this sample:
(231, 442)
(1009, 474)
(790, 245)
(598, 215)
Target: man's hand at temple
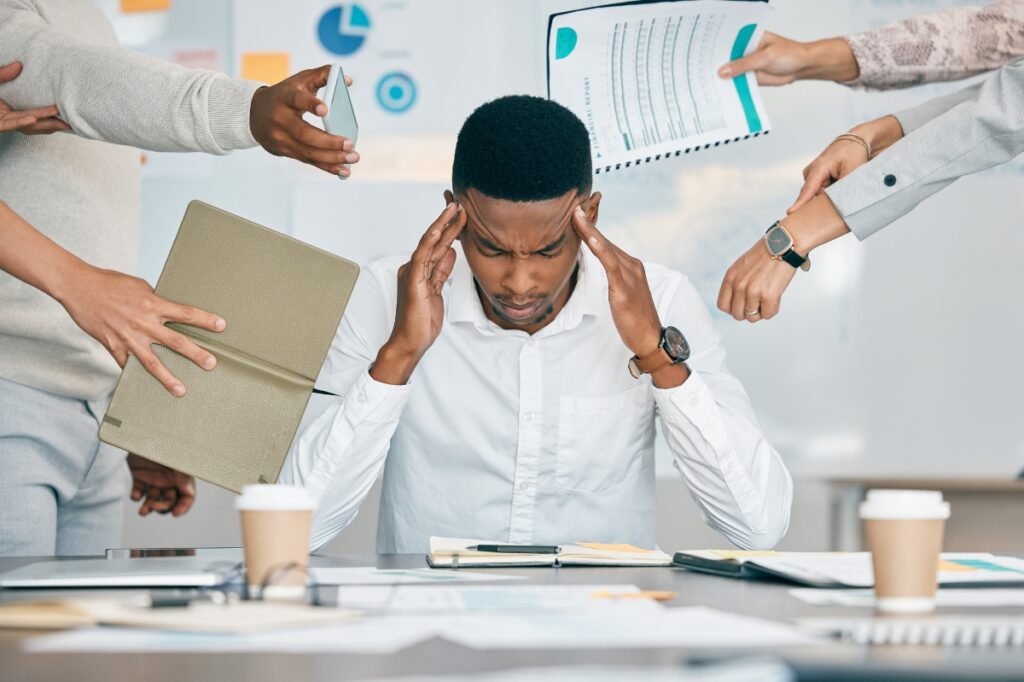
(629, 296)
(420, 312)
(275, 118)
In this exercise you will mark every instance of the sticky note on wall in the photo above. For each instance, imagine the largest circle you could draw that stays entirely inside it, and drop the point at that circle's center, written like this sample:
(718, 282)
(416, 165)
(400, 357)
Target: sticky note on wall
(128, 6)
(269, 67)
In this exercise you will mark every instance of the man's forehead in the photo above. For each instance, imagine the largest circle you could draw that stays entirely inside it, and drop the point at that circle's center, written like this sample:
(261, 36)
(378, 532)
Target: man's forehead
(500, 219)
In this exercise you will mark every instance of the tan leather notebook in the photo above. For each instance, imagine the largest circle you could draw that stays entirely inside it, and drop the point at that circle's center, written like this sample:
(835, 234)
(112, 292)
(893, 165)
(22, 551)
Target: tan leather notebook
(282, 300)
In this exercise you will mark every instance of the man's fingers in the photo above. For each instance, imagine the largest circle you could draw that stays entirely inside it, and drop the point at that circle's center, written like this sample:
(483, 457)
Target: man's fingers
(422, 258)
(450, 233)
(595, 241)
(442, 270)
(304, 100)
(318, 77)
(311, 136)
(184, 346)
(138, 490)
(153, 365)
(330, 157)
(186, 498)
(165, 500)
(192, 316)
(9, 72)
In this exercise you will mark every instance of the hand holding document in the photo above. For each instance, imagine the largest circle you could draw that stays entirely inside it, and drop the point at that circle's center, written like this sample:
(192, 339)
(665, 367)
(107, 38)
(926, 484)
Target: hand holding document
(642, 77)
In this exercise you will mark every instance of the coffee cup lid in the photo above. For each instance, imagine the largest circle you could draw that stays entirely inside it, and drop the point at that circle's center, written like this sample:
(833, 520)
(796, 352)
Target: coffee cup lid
(904, 505)
(274, 498)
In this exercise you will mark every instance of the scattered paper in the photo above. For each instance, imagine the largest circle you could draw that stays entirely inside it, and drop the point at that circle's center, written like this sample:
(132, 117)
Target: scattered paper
(368, 575)
(626, 628)
(486, 598)
(854, 569)
(959, 597)
(762, 670)
(366, 636)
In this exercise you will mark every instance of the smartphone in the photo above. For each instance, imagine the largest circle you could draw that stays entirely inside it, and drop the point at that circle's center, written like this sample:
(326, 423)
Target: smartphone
(341, 117)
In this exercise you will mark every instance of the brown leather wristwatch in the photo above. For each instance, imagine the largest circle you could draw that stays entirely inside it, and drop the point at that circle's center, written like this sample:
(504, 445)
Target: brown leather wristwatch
(672, 350)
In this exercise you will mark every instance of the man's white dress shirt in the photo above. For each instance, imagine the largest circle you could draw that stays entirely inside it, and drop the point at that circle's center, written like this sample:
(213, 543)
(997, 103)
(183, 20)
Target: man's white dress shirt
(532, 439)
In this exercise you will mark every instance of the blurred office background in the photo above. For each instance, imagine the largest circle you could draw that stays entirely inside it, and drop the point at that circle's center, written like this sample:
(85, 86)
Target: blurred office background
(894, 362)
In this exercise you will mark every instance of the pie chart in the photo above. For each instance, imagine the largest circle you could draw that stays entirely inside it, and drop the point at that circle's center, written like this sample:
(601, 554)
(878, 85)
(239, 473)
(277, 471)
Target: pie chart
(342, 29)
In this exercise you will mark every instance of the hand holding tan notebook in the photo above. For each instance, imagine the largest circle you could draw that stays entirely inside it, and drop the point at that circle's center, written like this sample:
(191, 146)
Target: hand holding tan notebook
(282, 300)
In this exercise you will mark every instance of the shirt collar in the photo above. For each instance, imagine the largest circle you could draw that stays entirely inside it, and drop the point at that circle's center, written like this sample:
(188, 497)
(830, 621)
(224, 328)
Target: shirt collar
(589, 298)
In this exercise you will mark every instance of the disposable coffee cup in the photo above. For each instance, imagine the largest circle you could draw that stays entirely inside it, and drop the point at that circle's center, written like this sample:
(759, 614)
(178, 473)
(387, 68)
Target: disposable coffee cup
(903, 530)
(276, 521)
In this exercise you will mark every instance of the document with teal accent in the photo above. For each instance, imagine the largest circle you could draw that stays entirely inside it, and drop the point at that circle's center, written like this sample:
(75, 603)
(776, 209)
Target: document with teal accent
(642, 76)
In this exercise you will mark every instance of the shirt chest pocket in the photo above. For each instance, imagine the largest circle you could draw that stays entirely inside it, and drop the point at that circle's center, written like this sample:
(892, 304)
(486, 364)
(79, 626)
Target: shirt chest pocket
(602, 441)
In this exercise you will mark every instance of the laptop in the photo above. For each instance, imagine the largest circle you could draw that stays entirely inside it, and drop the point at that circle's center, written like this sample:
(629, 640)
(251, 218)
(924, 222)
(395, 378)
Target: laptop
(145, 573)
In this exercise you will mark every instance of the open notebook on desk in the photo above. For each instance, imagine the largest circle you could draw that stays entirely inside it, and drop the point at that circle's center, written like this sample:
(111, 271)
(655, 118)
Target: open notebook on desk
(449, 552)
(846, 569)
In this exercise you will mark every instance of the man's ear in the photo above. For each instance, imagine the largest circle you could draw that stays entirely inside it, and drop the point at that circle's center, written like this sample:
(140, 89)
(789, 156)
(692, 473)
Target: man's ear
(592, 206)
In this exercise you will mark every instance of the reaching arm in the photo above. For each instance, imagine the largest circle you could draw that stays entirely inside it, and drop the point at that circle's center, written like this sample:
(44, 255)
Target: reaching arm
(977, 133)
(942, 46)
(117, 95)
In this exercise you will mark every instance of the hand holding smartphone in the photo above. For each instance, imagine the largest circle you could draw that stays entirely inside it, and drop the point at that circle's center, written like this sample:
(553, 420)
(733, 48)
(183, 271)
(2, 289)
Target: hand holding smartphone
(341, 117)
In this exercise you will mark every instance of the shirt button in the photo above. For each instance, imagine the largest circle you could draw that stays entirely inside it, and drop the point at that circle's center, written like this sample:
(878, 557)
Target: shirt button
(889, 180)
(527, 416)
(524, 486)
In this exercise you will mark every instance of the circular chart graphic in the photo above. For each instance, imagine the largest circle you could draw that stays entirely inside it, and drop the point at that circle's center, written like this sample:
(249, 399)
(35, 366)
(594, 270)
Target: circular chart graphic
(396, 92)
(343, 28)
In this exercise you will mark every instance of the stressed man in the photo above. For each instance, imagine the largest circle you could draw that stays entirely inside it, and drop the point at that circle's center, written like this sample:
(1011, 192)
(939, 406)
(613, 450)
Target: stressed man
(507, 377)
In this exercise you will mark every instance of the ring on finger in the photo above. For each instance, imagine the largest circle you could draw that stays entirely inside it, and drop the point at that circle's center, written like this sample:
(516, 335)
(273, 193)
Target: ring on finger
(756, 312)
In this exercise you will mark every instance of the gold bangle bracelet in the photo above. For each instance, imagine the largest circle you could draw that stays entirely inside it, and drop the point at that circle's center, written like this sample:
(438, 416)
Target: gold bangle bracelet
(853, 137)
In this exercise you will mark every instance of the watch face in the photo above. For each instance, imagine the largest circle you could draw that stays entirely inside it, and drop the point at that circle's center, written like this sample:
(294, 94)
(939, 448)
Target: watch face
(778, 241)
(676, 345)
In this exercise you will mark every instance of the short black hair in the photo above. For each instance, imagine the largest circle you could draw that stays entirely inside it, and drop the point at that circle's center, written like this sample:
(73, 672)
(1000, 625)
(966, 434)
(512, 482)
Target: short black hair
(522, 148)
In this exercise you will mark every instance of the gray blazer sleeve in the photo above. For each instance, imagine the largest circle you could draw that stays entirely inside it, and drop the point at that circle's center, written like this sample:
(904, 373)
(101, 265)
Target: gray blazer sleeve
(969, 131)
(105, 92)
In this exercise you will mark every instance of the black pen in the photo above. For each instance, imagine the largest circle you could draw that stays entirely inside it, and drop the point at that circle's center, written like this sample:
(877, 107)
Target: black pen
(516, 549)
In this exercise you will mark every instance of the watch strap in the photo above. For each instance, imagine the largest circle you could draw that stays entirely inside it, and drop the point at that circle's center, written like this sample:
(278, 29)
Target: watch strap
(653, 362)
(793, 258)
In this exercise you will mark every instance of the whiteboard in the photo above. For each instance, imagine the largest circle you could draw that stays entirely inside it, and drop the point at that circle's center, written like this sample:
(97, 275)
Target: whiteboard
(893, 357)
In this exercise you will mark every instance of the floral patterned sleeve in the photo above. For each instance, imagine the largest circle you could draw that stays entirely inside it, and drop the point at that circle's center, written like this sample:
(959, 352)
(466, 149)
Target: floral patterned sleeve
(943, 46)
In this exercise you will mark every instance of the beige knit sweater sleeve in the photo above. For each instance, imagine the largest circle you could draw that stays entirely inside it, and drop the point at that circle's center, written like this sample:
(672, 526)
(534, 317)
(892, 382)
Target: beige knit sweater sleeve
(943, 46)
(110, 93)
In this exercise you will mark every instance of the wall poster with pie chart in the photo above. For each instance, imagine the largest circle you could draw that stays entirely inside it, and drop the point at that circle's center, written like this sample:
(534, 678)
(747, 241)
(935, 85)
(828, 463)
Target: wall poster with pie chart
(409, 79)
